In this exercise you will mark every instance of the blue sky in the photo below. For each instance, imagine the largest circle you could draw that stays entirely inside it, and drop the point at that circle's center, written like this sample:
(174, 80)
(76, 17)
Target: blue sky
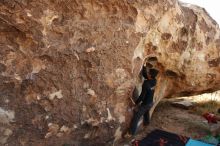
(211, 6)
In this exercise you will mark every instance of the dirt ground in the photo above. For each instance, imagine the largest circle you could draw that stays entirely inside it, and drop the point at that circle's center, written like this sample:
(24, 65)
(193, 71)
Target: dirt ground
(173, 119)
(165, 117)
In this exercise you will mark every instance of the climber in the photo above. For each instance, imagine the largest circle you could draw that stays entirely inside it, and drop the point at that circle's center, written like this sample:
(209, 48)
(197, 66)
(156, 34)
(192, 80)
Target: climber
(146, 100)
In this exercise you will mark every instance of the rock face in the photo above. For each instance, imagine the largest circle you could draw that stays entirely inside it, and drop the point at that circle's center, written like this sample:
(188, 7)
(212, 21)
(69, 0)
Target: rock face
(68, 68)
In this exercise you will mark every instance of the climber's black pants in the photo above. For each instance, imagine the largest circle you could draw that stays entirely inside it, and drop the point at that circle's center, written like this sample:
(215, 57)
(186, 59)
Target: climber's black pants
(143, 110)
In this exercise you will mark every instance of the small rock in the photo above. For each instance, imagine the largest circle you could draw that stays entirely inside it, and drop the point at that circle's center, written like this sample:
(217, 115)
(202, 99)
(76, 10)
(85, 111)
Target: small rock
(84, 108)
(46, 105)
(37, 66)
(57, 94)
(76, 55)
(65, 129)
(91, 92)
(182, 104)
(36, 119)
(109, 115)
(118, 133)
(93, 122)
(91, 49)
(8, 132)
(75, 127)
(87, 136)
(47, 117)
(4, 135)
(29, 14)
(6, 116)
(102, 119)
(17, 77)
(59, 134)
(111, 127)
(30, 76)
(82, 122)
(38, 97)
(85, 85)
(3, 140)
(53, 129)
(49, 134)
(7, 101)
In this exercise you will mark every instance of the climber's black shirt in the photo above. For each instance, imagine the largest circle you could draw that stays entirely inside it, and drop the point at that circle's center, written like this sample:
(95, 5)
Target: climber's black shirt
(147, 92)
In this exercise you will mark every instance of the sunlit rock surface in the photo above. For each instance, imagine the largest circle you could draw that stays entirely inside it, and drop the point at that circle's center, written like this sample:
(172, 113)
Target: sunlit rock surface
(68, 68)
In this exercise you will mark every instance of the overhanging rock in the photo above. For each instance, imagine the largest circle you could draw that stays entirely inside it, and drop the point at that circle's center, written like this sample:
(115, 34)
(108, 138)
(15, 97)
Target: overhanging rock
(74, 64)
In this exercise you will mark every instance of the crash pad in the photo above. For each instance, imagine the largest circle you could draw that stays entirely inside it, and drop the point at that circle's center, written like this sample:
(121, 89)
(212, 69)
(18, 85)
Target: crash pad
(192, 142)
(164, 138)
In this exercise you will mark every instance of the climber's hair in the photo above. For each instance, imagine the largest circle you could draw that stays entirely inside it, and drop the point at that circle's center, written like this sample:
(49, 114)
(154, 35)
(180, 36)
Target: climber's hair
(153, 73)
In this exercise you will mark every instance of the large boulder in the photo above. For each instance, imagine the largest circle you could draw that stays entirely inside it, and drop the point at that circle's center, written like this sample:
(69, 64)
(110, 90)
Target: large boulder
(68, 68)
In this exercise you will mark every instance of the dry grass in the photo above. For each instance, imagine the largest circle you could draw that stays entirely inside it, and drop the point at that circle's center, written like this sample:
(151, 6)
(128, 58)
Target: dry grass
(204, 107)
